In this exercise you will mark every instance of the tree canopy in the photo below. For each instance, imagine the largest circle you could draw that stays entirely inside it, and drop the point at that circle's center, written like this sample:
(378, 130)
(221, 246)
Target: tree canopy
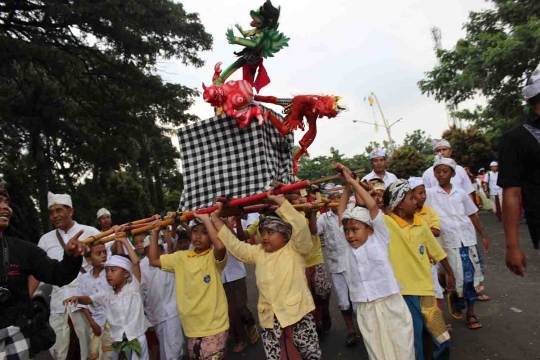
(500, 50)
(82, 109)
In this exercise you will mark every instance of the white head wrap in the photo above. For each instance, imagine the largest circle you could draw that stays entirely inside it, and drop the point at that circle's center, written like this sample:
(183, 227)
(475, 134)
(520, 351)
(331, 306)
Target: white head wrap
(494, 163)
(415, 182)
(146, 242)
(102, 212)
(379, 152)
(58, 199)
(121, 262)
(379, 186)
(328, 187)
(533, 84)
(398, 190)
(357, 213)
(440, 143)
(439, 160)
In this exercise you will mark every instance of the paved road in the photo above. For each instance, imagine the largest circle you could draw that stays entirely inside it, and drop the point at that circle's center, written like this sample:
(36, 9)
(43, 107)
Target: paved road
(511, 318)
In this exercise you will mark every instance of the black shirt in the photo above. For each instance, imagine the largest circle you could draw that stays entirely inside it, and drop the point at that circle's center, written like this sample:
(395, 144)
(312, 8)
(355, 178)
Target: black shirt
(25, 259)
(519, 164)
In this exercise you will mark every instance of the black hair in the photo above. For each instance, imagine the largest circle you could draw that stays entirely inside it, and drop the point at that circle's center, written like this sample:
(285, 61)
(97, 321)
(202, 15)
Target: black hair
(377, 180)
(534, 100)
(386, 197)
(90, 247)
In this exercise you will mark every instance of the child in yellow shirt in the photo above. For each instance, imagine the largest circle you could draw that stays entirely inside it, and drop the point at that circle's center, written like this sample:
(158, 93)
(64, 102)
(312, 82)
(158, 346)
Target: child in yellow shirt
(285, 302)
(200, 297)
(410, 242)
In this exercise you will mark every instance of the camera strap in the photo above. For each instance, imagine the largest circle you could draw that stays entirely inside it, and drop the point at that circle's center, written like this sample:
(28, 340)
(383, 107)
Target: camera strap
(5, 259)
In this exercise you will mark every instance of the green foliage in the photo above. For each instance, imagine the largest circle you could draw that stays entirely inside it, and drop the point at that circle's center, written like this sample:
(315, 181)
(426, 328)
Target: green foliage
(406, 161)
(501, 48)
(470, 147)
(419, 141)
(79, 100)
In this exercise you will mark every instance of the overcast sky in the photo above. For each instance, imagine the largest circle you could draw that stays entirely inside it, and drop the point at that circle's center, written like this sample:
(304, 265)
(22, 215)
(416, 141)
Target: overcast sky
(346, 48)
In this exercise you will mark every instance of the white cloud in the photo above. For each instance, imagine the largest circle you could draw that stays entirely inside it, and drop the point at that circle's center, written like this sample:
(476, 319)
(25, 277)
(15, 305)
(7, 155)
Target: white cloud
(344, 48)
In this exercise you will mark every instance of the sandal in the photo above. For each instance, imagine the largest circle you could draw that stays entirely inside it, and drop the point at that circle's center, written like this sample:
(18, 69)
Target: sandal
(482, 297)
(253, 334)
(453, 305)
(352, 339)
(472, 322)
(239, 347)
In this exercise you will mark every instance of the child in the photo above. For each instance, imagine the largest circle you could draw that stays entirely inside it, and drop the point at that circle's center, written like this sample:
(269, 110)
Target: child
(91, 283)
(410, 242)
(459, 218)
(431, 218)
(123, 304)
(160, 301)
(200, 298)
(317, 279)
(383, 317)
(285, 302)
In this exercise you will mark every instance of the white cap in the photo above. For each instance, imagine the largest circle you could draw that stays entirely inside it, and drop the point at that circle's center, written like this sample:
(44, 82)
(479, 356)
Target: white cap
(102, 212)
(357, 213)
(439, 160)
(533, 84)
(440, 143)
(379, 152)
(146, 242)
(415, 182)
(121, 262)
(494, 163)
(328, 189)
(58, 199)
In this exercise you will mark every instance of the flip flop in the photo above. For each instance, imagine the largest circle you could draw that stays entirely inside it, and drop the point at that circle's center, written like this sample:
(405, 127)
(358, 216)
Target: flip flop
(253, 334)
(482, 297)
(453, 305)
(473, 324)
(239, 347)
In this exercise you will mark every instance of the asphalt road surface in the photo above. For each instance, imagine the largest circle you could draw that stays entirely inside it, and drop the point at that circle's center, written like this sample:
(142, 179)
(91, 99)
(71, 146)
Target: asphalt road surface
(511, 319)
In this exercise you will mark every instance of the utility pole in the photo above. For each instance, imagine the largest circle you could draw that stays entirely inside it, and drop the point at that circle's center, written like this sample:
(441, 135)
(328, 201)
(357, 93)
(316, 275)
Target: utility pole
(436, 34)
(372, 99)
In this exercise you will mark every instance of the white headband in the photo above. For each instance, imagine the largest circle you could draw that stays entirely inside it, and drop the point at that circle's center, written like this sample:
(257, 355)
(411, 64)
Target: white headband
(439, 160)
(440, 143)
(494, 163)
(102, 212)
(415, 182)
(146, 242)
(121, 262)
(58, 199)
(533, 84)
(357, 213)
(379, 152)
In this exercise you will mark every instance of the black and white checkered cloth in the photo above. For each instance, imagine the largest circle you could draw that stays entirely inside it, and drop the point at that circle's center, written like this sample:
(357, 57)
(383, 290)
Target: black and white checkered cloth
(220, 159)
(14, 345)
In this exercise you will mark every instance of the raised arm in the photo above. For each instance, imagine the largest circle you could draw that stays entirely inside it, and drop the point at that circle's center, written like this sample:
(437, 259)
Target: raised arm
(133, 257)
(153, 249)
(219, 248)
(167, 236)
(301, 237)
(362, 193)
(242, 251)
(344, 201)
(312, 218)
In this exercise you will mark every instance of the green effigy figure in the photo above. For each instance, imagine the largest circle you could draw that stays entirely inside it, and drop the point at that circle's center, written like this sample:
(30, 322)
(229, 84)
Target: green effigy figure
(259, 43)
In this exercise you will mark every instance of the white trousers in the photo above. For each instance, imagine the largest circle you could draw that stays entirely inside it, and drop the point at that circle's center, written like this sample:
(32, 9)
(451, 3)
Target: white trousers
(342, 291)
(171, 339)
(454, 259)
(387, 328)
(59, 323)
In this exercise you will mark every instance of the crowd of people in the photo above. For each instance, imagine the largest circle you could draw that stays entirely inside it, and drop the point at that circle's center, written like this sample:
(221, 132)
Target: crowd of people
(395, 248)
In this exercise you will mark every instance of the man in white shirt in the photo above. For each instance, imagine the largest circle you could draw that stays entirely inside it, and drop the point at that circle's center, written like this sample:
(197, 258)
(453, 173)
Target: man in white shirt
(53, 242)
(336, 255)
(378, 164)
(104, 219)
(460, 180)
(493, 190)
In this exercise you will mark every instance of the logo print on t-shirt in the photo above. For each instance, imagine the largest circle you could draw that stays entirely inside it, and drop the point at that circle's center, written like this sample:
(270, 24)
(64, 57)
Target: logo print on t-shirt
(206, 279)
(421, 249)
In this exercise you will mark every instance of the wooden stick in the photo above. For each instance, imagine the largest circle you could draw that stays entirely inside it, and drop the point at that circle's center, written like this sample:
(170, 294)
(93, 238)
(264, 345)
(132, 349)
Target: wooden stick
(339, 168)
(332, 177)
(99, 236)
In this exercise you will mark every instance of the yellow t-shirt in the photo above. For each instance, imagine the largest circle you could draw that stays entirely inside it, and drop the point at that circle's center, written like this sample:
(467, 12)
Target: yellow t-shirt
(315, 256)
(202, 304)
(408, 253)
(430, 217)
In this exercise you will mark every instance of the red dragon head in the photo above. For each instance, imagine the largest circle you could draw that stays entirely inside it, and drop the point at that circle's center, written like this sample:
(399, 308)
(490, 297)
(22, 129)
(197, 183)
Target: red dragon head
(213, 95)
(328, 106)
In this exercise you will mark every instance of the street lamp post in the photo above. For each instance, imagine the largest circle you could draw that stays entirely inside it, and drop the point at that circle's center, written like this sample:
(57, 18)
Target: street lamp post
(387, 127)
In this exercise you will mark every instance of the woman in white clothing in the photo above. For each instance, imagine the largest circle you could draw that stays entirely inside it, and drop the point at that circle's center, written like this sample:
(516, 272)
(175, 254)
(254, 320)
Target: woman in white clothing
(383, 317)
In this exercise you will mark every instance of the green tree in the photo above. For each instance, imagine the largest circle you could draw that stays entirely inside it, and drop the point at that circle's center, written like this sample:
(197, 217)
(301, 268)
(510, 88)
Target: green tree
(419, 141)
(470, 147)
(500, 49)
(79, 97)
(407, 161)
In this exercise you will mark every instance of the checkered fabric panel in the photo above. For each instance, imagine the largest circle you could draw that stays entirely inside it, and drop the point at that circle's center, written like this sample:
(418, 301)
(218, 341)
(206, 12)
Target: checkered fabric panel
(220, 159)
